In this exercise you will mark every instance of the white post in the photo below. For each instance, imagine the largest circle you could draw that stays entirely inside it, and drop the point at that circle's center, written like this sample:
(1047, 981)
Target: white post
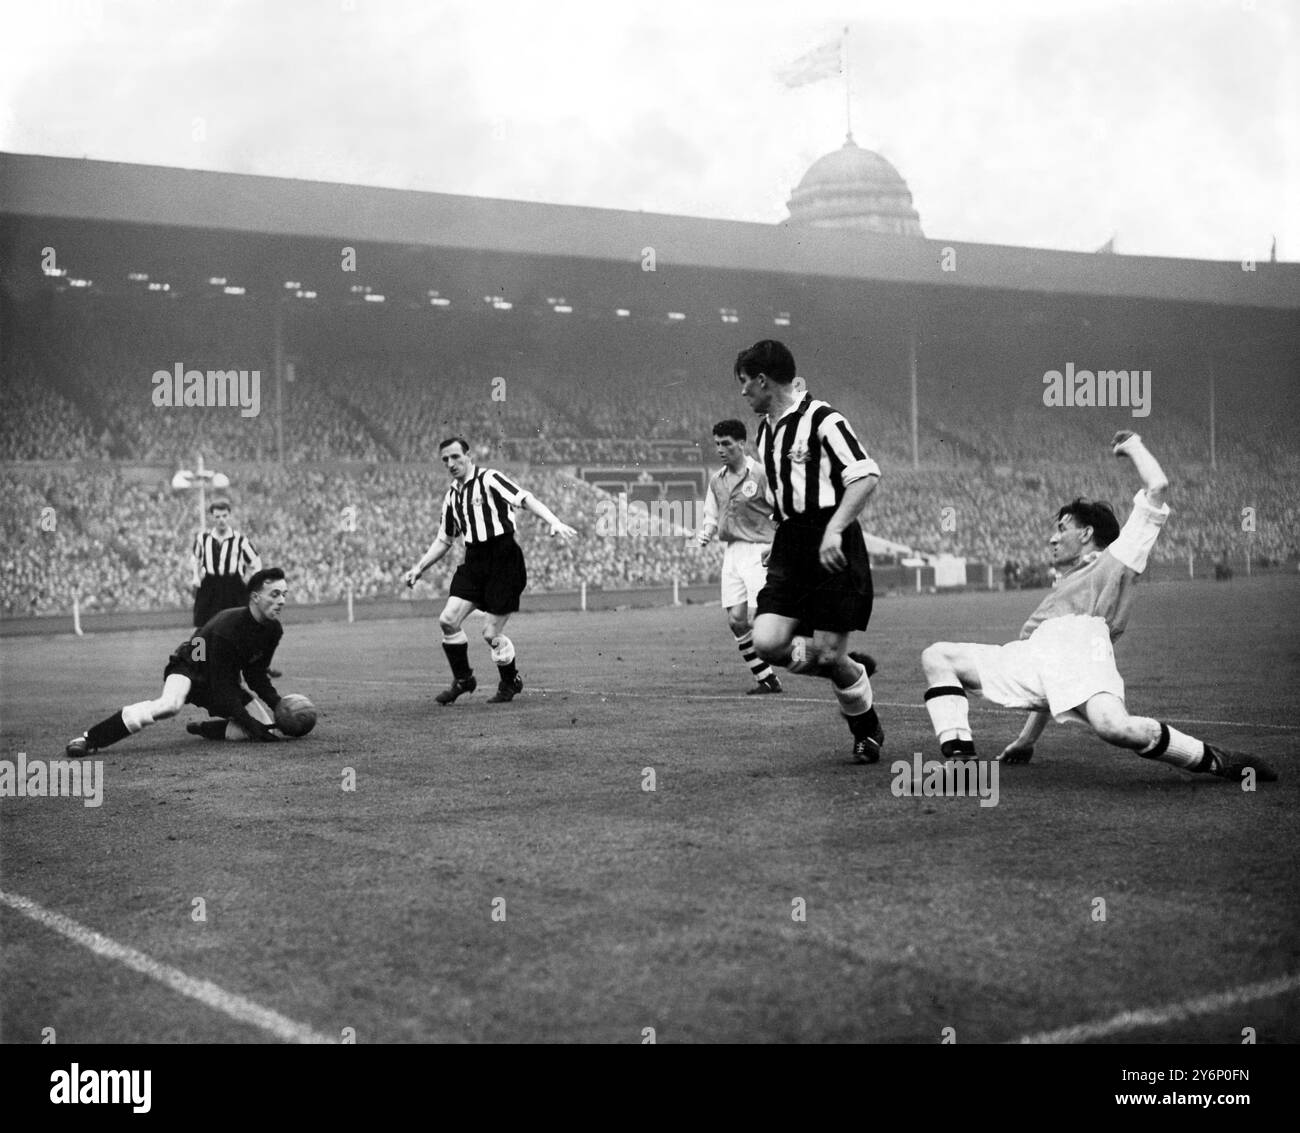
(201, 480)
(1191, 564)
(918, 580)
(76, 615)
(350, 619)
(677, 599)
(1247, 562)
(988, 569)
(582, 596)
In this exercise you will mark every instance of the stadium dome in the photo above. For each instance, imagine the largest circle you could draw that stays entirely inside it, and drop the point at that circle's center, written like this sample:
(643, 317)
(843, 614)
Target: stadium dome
(854, 188)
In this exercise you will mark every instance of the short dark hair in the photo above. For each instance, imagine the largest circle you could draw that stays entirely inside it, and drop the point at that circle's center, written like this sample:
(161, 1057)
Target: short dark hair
(215, 504)
(457, 439)
(766, 357)
(1095, 514)
(262, 577)
(731, 428)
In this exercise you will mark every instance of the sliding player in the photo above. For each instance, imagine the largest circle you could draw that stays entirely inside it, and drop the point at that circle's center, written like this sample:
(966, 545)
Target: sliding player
(1063, 665)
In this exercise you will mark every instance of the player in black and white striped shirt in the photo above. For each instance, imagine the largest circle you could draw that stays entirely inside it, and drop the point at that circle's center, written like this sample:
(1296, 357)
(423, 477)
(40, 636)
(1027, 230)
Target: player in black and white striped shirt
(819, 573)
(220, 559)
(479, 507)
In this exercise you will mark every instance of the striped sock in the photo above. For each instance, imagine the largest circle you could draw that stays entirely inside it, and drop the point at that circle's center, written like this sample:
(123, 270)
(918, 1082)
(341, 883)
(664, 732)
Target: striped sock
(1180, 750)
(760, 668)
(949, 712)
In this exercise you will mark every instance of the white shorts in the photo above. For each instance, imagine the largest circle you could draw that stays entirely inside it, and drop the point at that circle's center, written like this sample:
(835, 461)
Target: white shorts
(1063, 663)
(743, 573)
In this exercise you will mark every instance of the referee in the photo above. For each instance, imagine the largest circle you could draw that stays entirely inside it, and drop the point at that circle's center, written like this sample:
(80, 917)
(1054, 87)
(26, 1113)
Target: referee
(220, 558)
(819, 573)
(479, 506)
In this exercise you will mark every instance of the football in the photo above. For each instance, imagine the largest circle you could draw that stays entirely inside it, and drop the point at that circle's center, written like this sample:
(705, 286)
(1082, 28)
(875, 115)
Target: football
(295, 715)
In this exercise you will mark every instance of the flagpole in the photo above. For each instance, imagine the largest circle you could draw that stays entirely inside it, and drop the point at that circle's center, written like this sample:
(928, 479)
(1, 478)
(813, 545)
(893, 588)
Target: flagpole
(848, 85)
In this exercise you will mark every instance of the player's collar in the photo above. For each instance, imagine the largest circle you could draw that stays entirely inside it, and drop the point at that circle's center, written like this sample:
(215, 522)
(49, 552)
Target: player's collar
(798, 407)
(1082, 561)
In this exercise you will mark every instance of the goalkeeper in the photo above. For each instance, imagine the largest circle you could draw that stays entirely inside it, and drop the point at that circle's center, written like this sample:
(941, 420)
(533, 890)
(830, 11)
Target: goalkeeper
(1063, 665)
(209, 670)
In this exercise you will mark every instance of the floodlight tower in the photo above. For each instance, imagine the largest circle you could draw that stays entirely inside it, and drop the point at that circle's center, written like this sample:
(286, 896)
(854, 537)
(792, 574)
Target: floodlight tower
(200, 478)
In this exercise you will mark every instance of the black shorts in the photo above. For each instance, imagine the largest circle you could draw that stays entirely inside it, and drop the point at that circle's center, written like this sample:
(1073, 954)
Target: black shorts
(218, 592)
(493, 575)
(798, 586)
(200, 693)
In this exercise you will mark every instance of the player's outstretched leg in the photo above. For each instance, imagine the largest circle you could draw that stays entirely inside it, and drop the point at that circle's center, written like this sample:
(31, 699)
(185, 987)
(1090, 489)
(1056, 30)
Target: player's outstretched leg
(1153, 739)
(946, 700)
(131, 719)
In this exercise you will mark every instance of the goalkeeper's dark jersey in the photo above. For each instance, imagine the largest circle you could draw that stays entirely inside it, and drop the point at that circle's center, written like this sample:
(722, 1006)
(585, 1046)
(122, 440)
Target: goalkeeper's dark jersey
(231, 645)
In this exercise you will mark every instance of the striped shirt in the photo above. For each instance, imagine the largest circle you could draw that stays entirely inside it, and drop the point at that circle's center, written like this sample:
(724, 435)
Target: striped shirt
(229, 556)
(481, 508)
(811, 455)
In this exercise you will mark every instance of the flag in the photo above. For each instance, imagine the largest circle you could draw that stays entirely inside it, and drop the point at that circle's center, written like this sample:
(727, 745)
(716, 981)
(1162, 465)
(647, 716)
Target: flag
(820, 63)
(1108, 248)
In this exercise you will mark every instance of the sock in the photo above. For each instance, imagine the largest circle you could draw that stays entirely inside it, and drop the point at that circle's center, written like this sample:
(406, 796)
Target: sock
(949, 712)
(857, 698)
(457, 649)
(214, 729)
(503, 653)
(108, 731)
(745, 643)
(1173, 747)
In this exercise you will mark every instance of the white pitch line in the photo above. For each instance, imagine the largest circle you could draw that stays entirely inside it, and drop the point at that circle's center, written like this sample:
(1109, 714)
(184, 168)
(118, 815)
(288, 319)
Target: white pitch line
(1171, 1013)
(236, 1006)
(786, 698)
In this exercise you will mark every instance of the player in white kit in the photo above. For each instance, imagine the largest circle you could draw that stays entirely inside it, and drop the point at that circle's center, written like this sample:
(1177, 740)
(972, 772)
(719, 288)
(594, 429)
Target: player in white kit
(1063, 665)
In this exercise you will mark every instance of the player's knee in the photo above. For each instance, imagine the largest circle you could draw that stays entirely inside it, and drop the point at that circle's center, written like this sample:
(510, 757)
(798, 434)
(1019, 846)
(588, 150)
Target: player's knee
(771, 647)
(167, 706)
(1115, 727)
(936, 658)
(739, 625)
(448, 626)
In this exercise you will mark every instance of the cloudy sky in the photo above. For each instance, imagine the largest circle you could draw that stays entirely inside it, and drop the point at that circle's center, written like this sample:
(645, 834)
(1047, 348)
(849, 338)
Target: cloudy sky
(1171, 123)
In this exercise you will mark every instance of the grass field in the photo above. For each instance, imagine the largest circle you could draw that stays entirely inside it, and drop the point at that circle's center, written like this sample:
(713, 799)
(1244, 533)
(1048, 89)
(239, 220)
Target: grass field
(671, 909)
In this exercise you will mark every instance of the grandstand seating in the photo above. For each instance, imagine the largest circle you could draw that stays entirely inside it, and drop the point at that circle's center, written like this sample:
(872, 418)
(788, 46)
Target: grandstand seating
(375, 400)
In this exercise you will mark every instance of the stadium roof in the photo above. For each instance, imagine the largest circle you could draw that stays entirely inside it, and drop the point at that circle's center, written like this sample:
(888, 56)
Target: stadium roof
(35, 189)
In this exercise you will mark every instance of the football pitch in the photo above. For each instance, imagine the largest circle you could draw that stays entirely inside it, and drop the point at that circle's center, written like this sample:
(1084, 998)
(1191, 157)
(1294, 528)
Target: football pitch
(503, 873)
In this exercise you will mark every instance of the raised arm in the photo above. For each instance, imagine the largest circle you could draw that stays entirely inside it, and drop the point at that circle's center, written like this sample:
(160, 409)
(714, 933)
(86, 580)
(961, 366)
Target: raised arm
(1127, 443)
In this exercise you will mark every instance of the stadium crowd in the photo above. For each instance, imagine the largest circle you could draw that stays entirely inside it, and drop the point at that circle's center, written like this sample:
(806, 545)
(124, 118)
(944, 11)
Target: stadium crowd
(995, 463)
(121, 544)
